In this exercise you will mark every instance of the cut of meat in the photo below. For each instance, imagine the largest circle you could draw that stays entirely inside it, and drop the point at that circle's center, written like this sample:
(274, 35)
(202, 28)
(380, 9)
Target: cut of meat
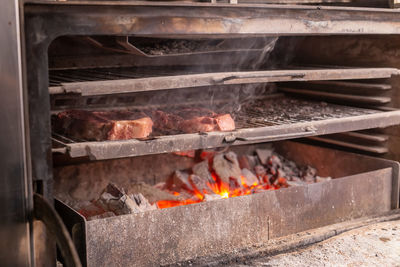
(191, 120)
(122, 130)
(121, 125)
(102, 125)
(166, 122)
(197, 124)
(224, 122)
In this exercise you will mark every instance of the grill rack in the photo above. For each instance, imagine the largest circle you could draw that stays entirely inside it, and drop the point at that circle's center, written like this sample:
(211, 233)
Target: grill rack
(271, 119)
(92, 82)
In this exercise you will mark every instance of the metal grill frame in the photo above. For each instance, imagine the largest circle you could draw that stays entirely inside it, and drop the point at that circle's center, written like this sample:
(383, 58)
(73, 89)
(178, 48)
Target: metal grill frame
(272, 128)
(45, 21)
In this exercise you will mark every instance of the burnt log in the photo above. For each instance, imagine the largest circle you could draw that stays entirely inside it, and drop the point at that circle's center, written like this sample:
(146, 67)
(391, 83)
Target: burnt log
(180, 181)
(226, 166)
(247, 162)
(202, 169)
(249, 177)
(152, 193)
(115, 200)
(200, 184)
(260, 171)
(263, 155)
(142, 203)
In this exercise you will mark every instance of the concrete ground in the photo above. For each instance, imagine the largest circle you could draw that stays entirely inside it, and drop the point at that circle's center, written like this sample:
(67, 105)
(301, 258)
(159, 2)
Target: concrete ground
(373, 245)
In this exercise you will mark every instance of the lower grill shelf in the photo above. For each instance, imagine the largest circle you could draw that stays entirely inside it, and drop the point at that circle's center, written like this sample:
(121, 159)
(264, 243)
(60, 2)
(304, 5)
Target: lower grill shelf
(266, 120)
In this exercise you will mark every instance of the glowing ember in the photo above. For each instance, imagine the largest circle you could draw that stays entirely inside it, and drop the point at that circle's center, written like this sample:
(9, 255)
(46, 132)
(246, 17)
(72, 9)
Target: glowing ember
(224, 194)
(224, 175)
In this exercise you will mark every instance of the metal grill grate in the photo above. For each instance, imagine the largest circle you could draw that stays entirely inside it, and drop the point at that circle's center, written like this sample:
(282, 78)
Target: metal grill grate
(285, 110)
(270, 119)
(57, 77)
(279, 110)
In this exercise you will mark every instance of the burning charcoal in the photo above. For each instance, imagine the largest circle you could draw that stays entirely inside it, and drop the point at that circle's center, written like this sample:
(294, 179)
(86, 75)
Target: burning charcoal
(142, 203)
(296, 179)
(308, 174)
(211, 197)
(115, 200)
(265, 180)
(90, 209)
(282, 182)
(161, 186)
(152, 193)
(114, 190)
(207, 154)
(202, 169)
(200, 184)
(260, 171)
(281, 173)
(117, 204)
(249, 178)
(290, 168)
(258, 190)
(226, 166)
(101, 216)
(264, 155)
(319, 179)
(189, 153)
(247, 162)
(180, 180)
(275, 162)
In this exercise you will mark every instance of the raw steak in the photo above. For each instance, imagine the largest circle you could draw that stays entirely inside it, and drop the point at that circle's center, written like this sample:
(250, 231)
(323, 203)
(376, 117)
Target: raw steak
(102, 125)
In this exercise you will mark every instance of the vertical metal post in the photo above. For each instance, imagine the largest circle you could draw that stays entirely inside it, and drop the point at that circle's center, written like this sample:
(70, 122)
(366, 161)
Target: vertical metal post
(15, 196)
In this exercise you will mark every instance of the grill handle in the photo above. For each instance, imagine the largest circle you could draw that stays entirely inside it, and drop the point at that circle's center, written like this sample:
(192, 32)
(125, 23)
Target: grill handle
(232, 138)
(259, 78)
(45, 212)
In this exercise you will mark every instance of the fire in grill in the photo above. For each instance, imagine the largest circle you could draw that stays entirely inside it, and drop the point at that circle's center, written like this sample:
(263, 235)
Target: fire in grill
(218, 175)
(119, 64)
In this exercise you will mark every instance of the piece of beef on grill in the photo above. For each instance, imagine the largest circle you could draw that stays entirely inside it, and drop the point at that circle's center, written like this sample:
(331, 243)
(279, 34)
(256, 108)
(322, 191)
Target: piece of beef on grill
(224, 122)
(166, 122)
(192, 120)
(102, 125)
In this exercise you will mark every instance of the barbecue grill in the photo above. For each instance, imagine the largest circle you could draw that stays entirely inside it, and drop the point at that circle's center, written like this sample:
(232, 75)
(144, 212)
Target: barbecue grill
(282, 71)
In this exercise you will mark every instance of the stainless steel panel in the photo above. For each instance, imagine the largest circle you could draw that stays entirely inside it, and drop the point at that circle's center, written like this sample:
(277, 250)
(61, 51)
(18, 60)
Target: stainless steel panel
(218, 227)
(15, 245)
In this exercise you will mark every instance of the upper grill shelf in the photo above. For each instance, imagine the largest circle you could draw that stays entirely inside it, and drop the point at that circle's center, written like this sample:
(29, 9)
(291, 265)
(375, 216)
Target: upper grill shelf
(270, 119)
(116, 81)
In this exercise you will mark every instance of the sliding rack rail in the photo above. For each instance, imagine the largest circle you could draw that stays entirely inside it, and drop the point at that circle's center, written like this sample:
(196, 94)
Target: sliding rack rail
(89, 82)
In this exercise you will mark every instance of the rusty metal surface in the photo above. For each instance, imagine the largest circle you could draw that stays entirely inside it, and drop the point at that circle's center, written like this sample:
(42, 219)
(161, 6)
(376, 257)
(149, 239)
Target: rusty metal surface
(144, 18)
(327, 160)
(339, 98)
(174, 234)
(336, 140)
(104, 87)
(220, 227)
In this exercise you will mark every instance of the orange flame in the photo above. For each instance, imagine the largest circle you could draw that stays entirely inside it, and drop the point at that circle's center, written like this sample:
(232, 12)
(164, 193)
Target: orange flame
(224, 190)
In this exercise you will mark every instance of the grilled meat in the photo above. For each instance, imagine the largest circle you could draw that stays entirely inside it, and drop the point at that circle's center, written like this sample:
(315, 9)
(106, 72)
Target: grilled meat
(102, 125)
